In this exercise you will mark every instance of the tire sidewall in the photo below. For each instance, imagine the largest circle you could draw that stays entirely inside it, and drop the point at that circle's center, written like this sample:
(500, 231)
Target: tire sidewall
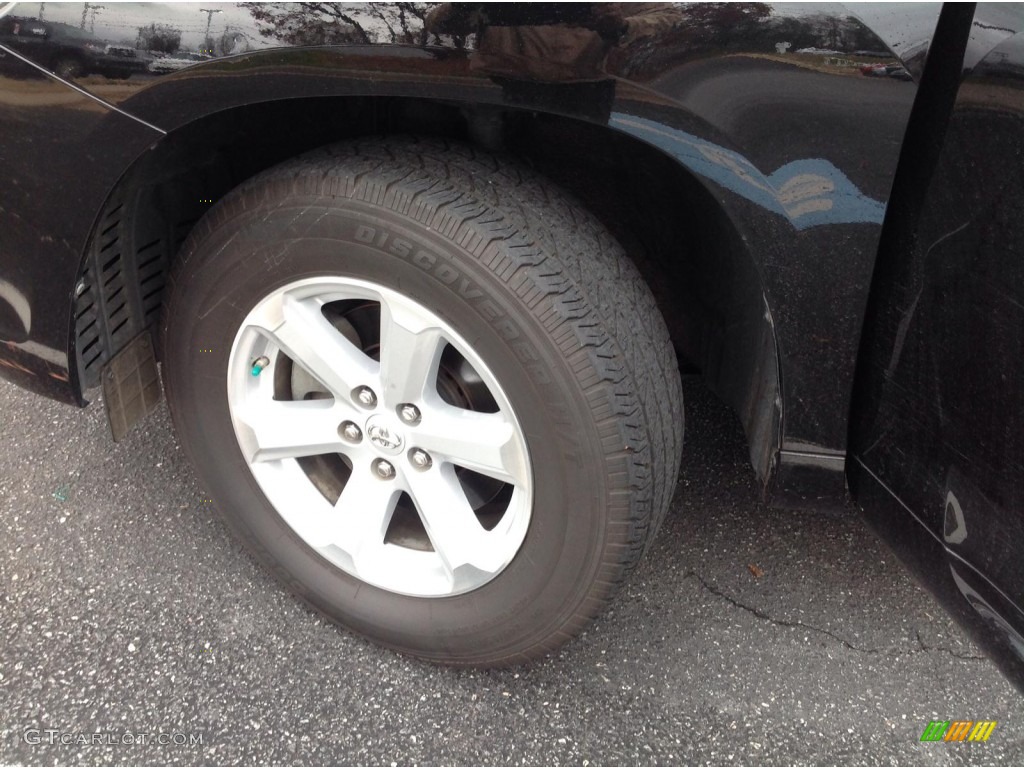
(245, 255)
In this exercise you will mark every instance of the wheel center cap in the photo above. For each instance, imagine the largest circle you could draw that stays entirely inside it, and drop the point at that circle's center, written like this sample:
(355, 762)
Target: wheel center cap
(384, 434)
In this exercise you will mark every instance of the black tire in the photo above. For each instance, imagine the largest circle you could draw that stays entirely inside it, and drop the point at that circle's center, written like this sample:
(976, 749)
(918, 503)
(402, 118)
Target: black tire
(591, 373)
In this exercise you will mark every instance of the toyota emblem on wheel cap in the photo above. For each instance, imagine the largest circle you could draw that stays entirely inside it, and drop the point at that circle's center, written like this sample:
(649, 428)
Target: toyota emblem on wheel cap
(385, 438)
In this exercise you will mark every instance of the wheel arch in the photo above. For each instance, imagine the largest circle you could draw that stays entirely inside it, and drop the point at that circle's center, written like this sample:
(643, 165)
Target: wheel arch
(691, 248)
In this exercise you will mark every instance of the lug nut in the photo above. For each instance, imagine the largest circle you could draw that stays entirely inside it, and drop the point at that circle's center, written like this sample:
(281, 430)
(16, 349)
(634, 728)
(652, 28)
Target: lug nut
(364, 396)
(409, 413)
(350, 432)
(383, 469)
(420, 459)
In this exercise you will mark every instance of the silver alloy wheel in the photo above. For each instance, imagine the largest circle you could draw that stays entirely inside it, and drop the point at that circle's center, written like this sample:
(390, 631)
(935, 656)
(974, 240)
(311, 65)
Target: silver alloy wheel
(389, 448)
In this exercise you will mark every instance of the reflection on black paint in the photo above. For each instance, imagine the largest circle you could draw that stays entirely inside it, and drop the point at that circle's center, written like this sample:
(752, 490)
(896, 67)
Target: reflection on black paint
(943, 427)
(68, 51)
(763, 106)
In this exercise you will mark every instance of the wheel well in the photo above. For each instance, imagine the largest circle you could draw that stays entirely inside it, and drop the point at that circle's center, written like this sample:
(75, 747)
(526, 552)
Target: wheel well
(684, 243)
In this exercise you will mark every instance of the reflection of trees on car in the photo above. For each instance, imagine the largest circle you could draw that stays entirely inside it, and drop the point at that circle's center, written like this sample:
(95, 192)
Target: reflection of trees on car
(333, 23)
(159, 38)
(676, 34)
(232, 41)
(639, 38)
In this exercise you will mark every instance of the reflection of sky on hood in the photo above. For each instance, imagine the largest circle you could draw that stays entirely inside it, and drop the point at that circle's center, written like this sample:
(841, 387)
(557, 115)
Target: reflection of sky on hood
(1011, 51)
(993, 24)
(906, 26)
(901, 26)
(808, 192)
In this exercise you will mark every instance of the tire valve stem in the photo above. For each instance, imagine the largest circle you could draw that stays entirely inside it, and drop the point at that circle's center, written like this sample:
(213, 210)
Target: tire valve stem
(259, 364)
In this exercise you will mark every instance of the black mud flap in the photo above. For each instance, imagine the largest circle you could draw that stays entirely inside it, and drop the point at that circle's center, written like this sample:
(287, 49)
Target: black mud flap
(131, 385)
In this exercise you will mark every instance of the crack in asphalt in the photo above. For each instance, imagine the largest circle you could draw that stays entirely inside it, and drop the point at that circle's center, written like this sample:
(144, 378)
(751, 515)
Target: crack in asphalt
(922, 647)
(950, 651)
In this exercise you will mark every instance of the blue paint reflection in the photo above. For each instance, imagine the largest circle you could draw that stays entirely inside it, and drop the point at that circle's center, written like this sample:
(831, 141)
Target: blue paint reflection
(808, 192)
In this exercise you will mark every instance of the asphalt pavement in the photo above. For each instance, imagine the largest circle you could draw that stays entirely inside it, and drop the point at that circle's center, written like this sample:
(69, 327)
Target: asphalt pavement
(747, 636)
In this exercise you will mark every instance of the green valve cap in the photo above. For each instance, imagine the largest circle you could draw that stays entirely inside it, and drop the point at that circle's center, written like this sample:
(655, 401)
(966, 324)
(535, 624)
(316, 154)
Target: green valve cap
(259, 364)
